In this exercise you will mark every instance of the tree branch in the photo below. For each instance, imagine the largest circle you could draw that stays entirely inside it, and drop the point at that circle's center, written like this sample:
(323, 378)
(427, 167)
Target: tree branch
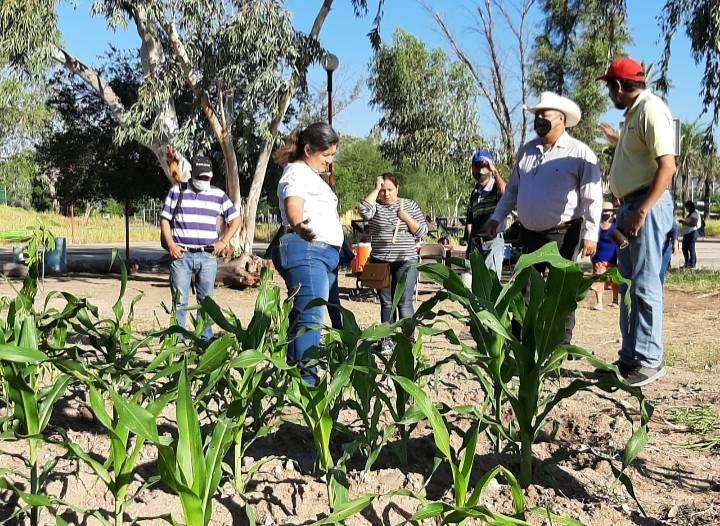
(191, 77)
(92, 78)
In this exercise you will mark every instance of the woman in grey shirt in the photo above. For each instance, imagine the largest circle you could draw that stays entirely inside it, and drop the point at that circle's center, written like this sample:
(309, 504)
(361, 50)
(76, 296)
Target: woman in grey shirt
(395, 226)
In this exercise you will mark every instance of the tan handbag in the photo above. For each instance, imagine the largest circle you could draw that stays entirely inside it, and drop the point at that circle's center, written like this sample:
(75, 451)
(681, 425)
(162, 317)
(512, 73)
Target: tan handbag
(376, 276)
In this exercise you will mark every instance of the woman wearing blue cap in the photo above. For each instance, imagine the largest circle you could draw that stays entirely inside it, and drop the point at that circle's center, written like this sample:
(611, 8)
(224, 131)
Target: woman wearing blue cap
(489, 187)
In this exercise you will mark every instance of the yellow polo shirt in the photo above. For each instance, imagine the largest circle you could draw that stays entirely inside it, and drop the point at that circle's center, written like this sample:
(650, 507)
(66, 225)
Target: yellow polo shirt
(646, 135)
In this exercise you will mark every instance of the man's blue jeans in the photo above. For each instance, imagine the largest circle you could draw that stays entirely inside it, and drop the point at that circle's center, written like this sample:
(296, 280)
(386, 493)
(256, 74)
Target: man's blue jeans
(203, 266)
(309, 268)
(642, 262)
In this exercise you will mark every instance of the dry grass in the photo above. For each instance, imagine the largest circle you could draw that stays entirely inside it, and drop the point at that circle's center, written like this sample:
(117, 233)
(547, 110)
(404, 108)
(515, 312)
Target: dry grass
(93, 229)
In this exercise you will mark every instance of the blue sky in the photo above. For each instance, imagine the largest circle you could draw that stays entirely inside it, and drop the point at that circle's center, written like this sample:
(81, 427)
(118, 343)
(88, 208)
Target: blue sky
(88, 38)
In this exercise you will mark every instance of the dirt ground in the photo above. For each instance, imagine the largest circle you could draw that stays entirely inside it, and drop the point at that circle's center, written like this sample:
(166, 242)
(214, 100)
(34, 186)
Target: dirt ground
(676, 485)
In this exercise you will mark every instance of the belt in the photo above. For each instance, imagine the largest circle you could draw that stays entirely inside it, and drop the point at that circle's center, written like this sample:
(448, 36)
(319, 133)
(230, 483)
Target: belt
(561, 227)
(637, 194)
(195, 250)
(289, 230)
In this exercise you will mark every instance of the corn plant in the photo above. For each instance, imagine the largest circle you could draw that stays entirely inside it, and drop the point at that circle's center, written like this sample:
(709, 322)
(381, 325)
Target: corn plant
(517, 371)
(189, 467)
(250, 370)
(21, 371)
(118, 416)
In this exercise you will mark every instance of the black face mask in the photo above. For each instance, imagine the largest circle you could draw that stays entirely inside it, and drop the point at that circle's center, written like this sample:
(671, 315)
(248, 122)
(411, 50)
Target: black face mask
(542, 126)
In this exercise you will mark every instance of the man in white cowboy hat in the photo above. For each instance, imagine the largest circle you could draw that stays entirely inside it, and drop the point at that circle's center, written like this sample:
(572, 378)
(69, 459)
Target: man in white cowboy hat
(555, 187)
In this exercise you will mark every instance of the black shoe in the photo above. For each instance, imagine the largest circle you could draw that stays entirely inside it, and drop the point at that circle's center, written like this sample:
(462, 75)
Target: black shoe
(639, 376)
(624, 369)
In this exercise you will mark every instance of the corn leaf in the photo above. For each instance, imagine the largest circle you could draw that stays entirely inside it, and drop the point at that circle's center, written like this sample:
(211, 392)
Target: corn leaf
(15, 354)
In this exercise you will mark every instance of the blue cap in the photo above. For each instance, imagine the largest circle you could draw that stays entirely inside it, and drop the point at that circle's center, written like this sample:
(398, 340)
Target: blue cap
(482, 156)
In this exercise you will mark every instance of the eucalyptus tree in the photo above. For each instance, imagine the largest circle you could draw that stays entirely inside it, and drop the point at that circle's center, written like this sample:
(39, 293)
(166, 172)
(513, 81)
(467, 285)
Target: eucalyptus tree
(580, 39)
(429, 119)
(242, 57)
(701, 24)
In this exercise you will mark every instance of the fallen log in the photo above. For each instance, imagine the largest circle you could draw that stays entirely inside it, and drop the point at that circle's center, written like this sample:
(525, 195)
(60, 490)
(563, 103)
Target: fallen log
(242, 272)
(13, 270)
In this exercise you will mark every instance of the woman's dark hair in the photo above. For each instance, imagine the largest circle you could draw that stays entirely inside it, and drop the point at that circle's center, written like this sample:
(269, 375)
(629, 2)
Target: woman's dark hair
(318, 136)
(690, 206)
(392, 178)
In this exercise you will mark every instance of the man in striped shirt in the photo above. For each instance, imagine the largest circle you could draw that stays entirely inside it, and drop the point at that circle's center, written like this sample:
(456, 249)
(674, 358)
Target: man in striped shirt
(189, 227)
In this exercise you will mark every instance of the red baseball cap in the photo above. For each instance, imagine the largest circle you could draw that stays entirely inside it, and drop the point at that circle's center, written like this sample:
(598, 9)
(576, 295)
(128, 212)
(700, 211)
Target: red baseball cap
(625, 68)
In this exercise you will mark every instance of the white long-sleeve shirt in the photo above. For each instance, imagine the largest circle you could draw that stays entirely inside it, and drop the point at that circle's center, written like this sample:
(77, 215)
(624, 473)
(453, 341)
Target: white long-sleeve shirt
(554, 186)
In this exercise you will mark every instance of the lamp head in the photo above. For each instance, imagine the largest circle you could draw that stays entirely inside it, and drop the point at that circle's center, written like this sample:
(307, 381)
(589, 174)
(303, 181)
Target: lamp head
(330, 62)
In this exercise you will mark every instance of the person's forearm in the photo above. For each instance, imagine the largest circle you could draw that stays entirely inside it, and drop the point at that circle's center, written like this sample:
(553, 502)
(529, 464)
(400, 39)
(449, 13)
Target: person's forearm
(662, 180)
(294, 209)
(413, 226)
(166, 232)
(500, 182)
(231, 230)
(372, 196)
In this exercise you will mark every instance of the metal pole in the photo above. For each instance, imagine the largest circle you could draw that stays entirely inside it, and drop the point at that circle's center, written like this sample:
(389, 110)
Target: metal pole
(331, 178)
(73, 237)
(127, 231)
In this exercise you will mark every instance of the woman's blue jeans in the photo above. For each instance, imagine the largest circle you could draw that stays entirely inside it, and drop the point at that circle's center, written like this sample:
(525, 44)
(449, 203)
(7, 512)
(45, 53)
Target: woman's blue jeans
(309, 268)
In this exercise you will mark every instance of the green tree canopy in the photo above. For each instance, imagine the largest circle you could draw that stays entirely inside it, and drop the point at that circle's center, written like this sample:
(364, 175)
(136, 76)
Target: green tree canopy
(429, 122)
(581, 37)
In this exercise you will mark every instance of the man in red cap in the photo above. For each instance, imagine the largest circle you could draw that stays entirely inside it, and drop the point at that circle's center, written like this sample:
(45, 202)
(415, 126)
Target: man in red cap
(642, 169)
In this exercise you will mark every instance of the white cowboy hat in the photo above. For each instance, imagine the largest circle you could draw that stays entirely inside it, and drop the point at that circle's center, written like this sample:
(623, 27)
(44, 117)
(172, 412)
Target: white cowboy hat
(553, 101)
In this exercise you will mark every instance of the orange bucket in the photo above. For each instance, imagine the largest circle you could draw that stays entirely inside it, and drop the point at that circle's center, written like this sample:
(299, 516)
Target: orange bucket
(362, 254)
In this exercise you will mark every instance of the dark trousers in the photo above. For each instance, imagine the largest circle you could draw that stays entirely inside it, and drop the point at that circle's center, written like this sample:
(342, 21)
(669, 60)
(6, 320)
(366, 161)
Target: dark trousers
(688, 249)
(406, 308)
(568, 241)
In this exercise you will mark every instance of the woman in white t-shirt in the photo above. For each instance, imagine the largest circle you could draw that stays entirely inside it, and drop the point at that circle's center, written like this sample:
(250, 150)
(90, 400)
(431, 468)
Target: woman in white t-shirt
(307, 255)
(690, 230)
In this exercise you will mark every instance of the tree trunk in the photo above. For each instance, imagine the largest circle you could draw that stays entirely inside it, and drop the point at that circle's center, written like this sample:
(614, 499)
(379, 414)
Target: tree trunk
(251, 205)
(707, 197)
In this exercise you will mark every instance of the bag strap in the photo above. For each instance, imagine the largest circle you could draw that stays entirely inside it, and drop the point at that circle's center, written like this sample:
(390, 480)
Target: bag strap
(183, 187)
(397, 225)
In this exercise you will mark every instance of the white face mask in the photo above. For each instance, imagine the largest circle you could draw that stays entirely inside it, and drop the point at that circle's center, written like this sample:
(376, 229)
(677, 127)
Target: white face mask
(201, 186)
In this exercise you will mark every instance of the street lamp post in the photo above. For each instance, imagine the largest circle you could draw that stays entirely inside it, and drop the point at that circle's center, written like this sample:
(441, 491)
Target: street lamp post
(330, 62)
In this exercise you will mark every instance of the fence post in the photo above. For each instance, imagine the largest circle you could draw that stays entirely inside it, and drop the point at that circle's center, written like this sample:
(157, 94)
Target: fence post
(73, 237)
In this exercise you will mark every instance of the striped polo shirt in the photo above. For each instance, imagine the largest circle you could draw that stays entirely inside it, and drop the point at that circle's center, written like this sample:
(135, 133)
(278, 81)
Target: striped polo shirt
(382, 220)
(195, 222)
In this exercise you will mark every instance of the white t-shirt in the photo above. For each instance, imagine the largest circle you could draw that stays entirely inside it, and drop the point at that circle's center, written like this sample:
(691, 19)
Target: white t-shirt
(299, 180)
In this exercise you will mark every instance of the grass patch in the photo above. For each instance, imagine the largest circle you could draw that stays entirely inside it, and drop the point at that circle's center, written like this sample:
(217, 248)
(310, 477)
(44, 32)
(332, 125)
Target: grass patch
(693, 280)
(89, 230)
(700, 420)
(712, 228)
(693, 355)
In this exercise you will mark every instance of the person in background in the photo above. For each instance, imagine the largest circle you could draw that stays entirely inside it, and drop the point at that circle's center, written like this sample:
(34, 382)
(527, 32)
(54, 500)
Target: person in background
(606, 256)
(642, 168)
(192, 238)
(394, 224)
(489, 188)
(670, 248)
(691, 224)
(555, 186)
(308, 253)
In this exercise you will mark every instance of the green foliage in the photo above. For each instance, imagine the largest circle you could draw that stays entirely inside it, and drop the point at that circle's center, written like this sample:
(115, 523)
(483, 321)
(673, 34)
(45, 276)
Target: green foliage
(18, 176)
(356, 168)
(702, 26)
(700, 420)
(91, 167)
(514, 369)
(225, 394)
(579, 40)
(428, 104)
